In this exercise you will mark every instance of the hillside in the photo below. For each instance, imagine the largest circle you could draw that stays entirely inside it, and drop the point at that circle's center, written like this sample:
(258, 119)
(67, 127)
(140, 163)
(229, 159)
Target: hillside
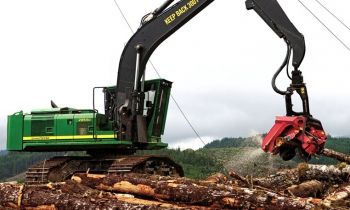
(249, 159)
(14, 163)
(242, 155)
(195, 165)
(340, 144)
(253, 141)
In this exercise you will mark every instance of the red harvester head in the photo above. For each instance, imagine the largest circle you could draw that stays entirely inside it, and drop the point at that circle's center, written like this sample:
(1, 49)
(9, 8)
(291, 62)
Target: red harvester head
(295, 132)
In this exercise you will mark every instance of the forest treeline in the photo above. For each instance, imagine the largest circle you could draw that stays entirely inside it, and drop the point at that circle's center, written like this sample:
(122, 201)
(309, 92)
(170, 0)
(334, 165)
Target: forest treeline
(340, 144)
(241, 154)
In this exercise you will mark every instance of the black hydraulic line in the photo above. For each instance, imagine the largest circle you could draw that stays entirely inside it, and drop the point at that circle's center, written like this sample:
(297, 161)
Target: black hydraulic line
(287, 69)
(285, 62)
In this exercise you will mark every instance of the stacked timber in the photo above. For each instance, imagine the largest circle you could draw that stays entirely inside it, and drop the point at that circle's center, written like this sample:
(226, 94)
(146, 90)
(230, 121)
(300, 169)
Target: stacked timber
(305, 187)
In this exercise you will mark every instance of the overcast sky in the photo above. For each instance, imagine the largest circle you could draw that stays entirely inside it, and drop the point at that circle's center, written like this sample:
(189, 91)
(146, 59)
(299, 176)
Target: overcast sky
(221, 63)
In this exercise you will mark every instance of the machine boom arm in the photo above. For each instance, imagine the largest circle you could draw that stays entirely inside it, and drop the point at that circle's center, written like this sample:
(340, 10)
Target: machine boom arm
(158, 26)
(272, 13)
(148, 37)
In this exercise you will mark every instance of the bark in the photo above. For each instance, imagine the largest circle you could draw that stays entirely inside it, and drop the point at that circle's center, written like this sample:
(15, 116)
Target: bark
(191, 192)
(336, 155)
(69, 195)
(10, 194)
(140, 191)
(328, 175)
(307, 189)
(217, 178)
(128, 198)
(338, 198)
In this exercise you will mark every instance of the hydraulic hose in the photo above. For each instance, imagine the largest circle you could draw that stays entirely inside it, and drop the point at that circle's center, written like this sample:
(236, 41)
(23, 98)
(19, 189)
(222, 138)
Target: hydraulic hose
(285, 62)
(287, 68)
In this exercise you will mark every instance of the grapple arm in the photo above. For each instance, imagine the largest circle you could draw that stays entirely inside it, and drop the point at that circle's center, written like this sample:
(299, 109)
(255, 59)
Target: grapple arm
(297, 130)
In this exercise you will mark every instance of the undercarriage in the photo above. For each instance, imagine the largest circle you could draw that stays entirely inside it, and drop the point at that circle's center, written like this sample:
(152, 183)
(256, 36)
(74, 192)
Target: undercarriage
(60, 169)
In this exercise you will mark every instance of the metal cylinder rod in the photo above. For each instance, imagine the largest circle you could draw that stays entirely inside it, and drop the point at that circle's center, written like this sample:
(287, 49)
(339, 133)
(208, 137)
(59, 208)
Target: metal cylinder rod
(143, 81)
(137, 68)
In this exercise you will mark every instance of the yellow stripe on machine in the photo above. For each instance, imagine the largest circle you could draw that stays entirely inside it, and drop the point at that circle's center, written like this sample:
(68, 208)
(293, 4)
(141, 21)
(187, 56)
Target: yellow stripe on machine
(34, 138)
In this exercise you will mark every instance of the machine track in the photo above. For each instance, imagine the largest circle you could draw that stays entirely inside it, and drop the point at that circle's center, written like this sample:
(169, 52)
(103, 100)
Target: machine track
(59, 169)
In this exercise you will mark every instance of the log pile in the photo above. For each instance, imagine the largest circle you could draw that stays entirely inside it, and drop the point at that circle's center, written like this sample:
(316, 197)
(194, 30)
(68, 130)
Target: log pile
(305, 187)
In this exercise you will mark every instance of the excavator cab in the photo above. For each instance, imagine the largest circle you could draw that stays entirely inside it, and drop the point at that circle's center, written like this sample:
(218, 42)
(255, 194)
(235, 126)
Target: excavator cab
(153, 109)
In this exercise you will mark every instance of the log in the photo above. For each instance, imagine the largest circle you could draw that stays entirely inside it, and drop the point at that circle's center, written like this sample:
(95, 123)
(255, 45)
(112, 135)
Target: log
(336, 155)
(307, 189)
(10, 195)
(131, 199)
(69, 195)
(190, 192)
(328, 175)
(72, 195)
(338, 198)
(217, 178)
(283, 190)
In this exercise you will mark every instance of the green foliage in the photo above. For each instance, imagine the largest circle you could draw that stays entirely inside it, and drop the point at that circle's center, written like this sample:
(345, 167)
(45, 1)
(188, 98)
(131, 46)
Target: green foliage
(242, 155)
(220, 154)
(247, 158)
(14, 163)
(225, 142)
(339, 144)
(3, 153)
(196, 165)
(253, 141)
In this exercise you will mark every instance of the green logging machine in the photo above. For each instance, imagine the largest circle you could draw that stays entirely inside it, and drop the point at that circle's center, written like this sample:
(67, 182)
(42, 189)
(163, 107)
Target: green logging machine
(135, 109)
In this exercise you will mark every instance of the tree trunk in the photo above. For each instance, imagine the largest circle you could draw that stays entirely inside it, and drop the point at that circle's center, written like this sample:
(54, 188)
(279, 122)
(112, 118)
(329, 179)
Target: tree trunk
(141, 191)
(307, 189)
(338, 198)
(328, 175)
(69, 195)
(190, 192)
(336, 155)
(10, 195)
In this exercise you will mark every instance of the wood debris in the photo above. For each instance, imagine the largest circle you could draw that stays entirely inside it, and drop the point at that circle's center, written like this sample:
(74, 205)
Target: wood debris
(304, 187)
